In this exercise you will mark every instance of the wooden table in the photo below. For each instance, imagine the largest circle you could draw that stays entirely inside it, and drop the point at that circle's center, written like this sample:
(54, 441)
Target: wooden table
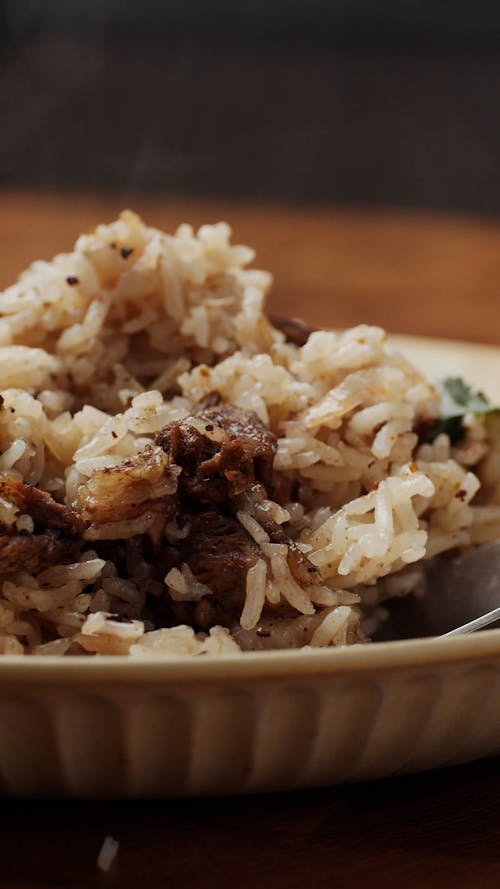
(421, 274)
(430, 275)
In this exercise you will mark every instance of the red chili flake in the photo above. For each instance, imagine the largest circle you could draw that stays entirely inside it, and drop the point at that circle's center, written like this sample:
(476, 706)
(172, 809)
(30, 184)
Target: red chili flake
(461, 494)
(412, 467)
(126, 251)
(375, 486)
(72, 280)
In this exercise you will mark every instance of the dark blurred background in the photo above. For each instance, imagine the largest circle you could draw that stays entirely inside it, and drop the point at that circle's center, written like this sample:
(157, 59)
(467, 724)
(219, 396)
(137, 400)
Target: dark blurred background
(350, 101)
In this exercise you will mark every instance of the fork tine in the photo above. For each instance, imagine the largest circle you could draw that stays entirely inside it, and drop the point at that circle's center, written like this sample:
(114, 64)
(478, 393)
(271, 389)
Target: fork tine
(476, 624)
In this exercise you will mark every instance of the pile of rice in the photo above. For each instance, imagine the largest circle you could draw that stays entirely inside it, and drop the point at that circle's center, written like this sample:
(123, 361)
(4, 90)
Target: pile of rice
(104, 346)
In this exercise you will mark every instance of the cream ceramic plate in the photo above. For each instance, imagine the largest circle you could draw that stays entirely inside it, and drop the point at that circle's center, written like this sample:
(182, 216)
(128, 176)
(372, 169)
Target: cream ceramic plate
(110, 727)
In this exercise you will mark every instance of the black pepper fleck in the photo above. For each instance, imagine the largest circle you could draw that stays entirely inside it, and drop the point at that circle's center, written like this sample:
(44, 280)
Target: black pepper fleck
(113, 434)
(126, 251)
(209, 427)
(72, 280)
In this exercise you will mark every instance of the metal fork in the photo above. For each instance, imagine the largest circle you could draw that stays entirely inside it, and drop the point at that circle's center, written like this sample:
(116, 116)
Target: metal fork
(462, 595)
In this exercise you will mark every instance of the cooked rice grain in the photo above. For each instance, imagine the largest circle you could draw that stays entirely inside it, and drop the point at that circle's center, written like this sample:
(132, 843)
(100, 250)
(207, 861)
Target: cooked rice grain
(101, 348)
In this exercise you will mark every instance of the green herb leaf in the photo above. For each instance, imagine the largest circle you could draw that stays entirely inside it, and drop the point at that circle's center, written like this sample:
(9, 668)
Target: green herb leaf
(457, 400)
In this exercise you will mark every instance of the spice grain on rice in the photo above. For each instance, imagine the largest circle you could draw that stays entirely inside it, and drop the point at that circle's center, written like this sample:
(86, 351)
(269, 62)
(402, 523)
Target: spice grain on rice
(180, 476)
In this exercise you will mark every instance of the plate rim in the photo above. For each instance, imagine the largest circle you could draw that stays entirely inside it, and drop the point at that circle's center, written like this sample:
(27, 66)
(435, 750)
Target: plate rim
(370, 658)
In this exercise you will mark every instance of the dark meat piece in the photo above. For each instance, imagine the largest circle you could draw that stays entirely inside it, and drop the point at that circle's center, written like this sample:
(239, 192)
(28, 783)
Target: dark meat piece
(34, 552)
(221, 450)
(146, 482)
(47, 515)
(57, 533)
(219, 552)
(295, 331)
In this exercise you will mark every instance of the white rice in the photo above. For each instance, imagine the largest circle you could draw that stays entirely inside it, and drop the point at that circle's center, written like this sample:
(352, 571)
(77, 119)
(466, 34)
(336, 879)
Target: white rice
(102, 347)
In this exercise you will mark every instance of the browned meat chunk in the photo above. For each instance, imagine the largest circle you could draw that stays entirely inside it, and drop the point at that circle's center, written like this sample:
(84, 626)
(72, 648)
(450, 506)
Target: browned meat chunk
(221, 450)
(295, 331)
(140, 484)
(47, 515)
(56, 536)
(219, 552)
(34, 552)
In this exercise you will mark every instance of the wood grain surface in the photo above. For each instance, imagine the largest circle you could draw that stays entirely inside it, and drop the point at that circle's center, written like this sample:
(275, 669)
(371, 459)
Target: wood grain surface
(431, 275)
(412, 273)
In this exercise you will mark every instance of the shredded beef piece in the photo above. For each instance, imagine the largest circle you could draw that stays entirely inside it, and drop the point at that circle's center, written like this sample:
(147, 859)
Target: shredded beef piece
(47, 514)
(34, 552)
(219, 552)
(57, 533)
(196, 470)
(221, 450)
(295, 331)
(145, 482)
